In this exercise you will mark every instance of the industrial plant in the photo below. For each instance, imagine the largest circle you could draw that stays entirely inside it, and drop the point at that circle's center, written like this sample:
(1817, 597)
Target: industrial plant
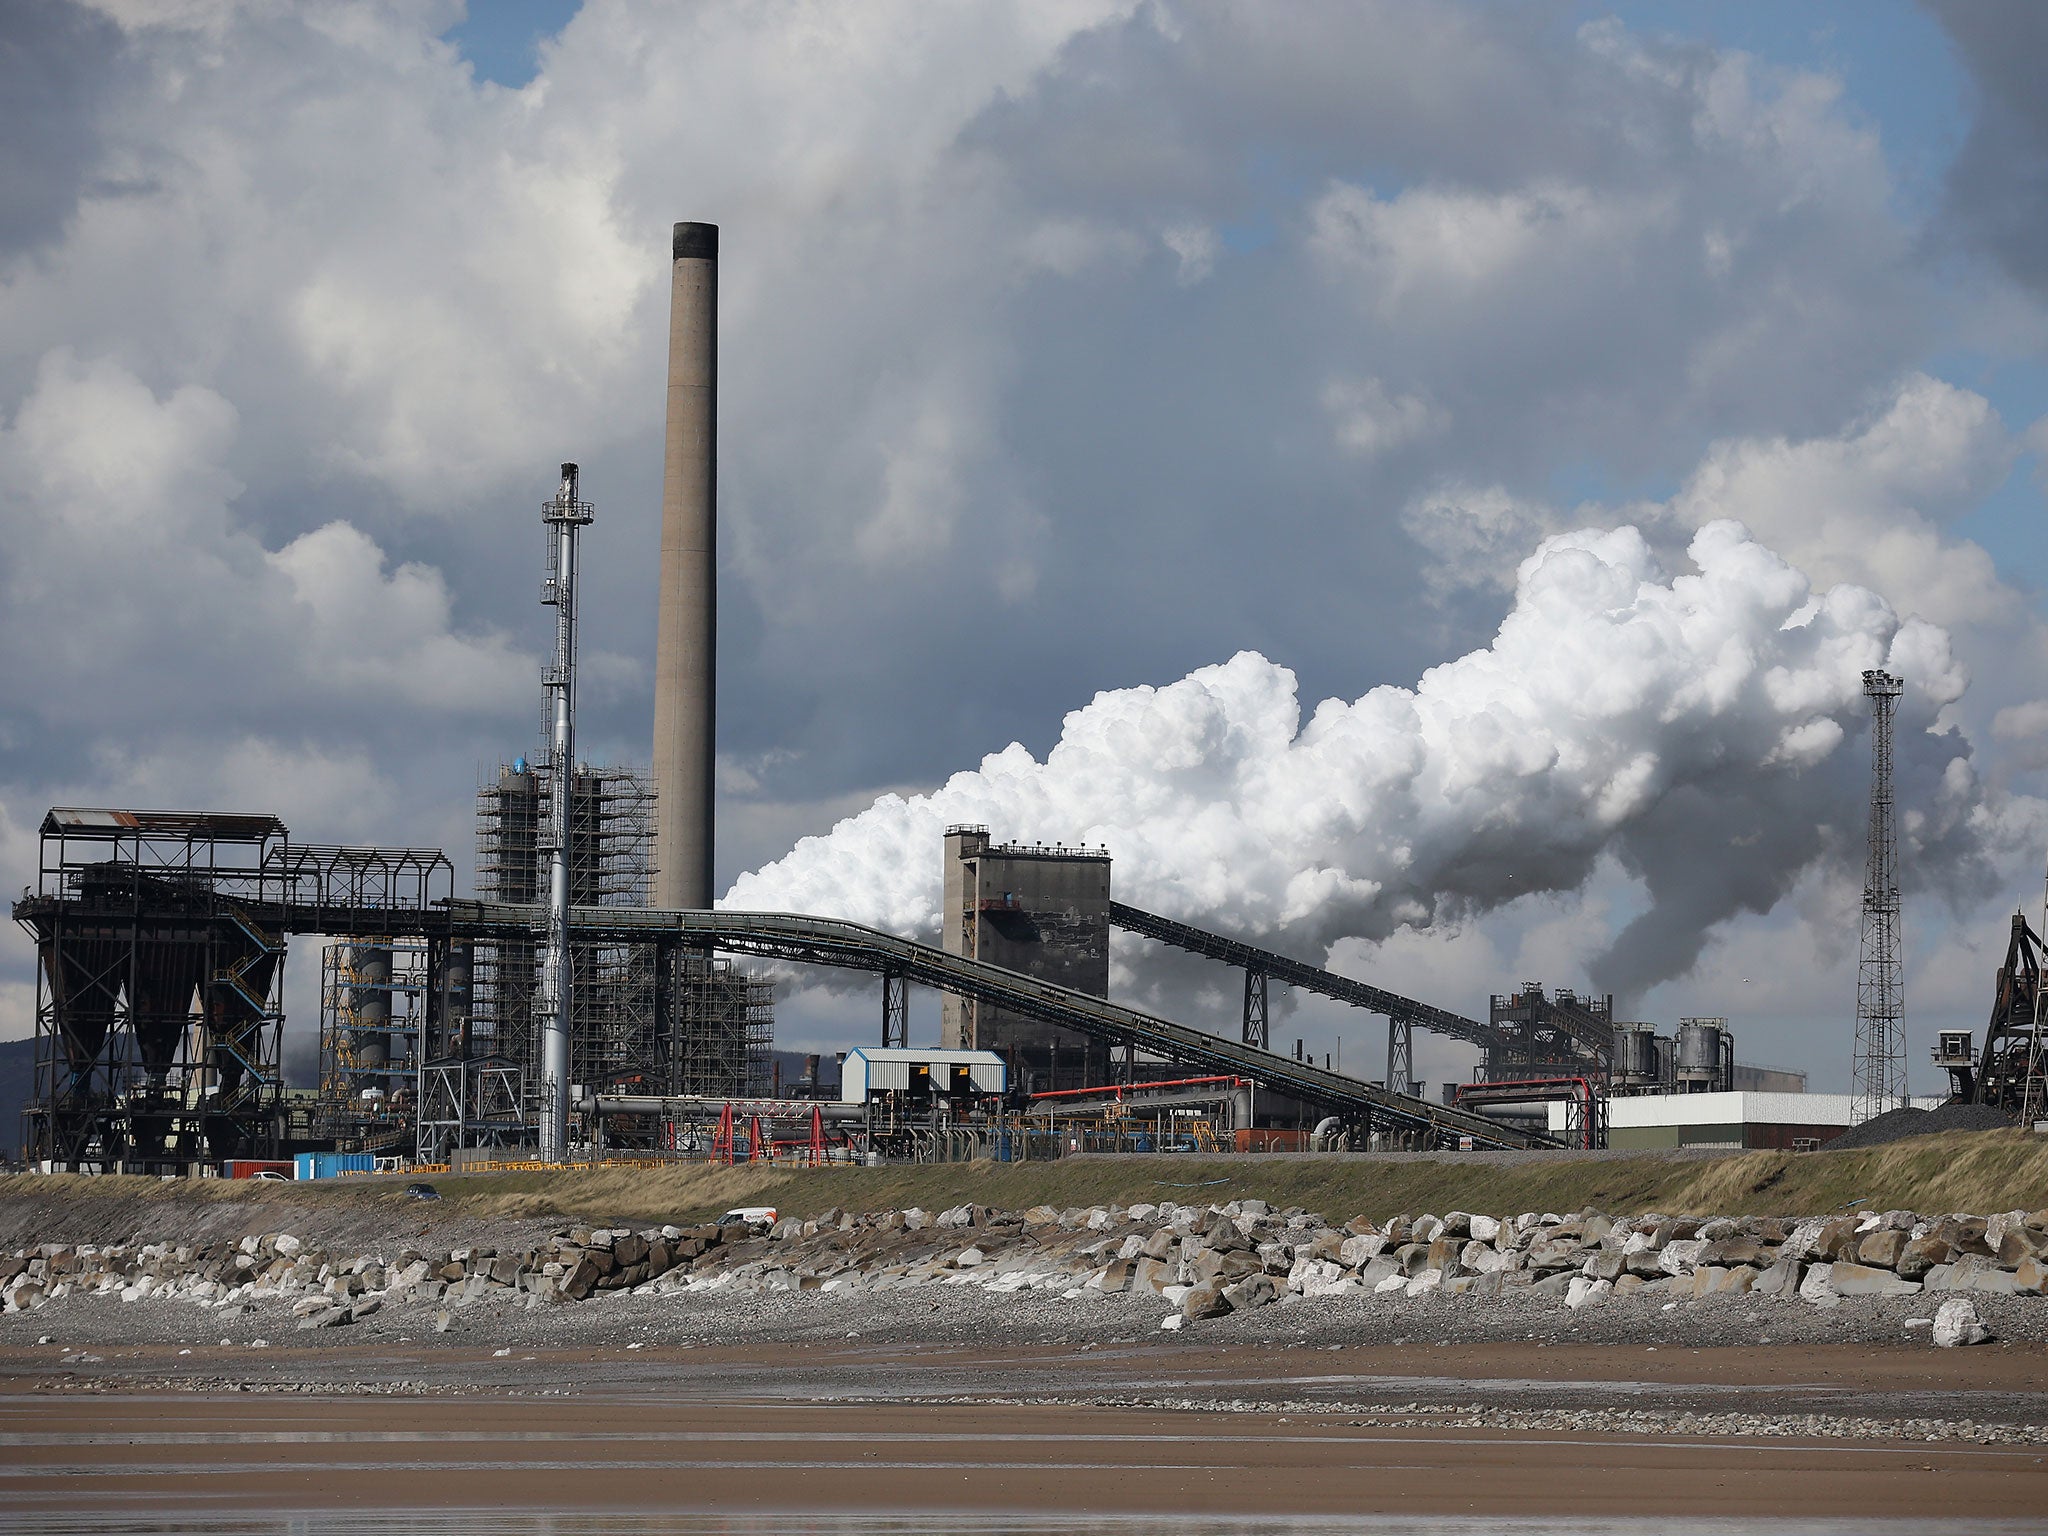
(588, 1001)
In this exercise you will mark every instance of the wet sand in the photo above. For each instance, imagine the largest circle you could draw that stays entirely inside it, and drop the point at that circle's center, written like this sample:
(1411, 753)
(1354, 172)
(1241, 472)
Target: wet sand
(234, 1452)
(755, 1430)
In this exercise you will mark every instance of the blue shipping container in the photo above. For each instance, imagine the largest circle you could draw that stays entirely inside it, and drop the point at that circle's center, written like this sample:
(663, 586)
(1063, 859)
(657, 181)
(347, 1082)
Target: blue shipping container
(329, 1165)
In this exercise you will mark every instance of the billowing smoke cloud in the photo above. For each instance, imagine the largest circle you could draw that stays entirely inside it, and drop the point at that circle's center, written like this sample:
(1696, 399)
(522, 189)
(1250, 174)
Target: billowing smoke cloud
(1691, 726)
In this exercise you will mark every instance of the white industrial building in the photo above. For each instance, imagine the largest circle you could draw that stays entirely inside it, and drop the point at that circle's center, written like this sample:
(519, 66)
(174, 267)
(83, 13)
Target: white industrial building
(872, 1070)
(1788, 1121)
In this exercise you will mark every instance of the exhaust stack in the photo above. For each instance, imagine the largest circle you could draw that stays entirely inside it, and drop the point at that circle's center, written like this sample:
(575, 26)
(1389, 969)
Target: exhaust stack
(556, 1002)
(686, 643)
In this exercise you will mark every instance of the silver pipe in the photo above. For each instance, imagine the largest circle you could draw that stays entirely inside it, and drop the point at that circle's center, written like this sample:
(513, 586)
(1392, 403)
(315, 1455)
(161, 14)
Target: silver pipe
(557, 1002)
(694, 1106)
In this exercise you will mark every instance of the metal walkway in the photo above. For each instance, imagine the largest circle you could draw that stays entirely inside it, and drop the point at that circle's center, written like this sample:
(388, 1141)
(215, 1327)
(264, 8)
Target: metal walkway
(826, 941)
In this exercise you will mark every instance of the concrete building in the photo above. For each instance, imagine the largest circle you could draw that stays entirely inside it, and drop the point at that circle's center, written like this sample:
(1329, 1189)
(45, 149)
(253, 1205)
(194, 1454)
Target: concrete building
(1042, 910)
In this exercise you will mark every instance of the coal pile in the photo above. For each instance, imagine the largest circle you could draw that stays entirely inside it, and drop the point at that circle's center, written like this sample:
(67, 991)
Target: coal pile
(1898, 1124)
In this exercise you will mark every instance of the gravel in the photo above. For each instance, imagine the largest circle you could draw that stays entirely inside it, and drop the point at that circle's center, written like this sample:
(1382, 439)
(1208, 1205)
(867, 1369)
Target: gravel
(1898, 1124)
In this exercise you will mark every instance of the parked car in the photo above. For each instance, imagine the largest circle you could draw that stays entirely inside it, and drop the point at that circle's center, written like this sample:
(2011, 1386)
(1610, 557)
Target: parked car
(271, 1173)
(421, 1192)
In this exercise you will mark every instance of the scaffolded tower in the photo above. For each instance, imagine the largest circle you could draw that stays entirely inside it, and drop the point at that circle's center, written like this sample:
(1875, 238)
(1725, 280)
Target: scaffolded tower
(719, 1024)
(608, 831)
(1880, 1064)
(373, 1011)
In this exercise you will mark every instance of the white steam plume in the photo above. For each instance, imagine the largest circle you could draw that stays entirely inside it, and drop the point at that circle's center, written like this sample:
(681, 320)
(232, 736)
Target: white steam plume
(1693, 726)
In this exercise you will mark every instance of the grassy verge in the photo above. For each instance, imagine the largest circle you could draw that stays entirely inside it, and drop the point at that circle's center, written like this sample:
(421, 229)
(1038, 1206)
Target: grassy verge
(1982, 1172)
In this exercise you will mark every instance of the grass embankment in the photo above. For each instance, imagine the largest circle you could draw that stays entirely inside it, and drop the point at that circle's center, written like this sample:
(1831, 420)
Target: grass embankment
(1981, 1172)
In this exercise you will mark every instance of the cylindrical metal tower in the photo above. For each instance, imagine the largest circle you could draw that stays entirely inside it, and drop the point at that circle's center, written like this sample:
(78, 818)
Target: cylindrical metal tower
(555, 1006)
(686, 642)
(1880, 1064)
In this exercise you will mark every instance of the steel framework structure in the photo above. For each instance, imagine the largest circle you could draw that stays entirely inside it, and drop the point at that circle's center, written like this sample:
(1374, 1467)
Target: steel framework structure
(160, 942)
(827, 941)
(720, 1025)
(2011, 1072)
(373, 1013)
(1880, 1051)
(2033, 1095)
(1562, 1035)
(289, 889)
(618, 1035)
(1526, 1035)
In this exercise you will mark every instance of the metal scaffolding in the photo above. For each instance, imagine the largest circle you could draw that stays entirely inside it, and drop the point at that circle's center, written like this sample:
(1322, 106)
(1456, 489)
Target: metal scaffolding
(610, 811)
(373, 1016)
(721, 1024)
(650, 1017)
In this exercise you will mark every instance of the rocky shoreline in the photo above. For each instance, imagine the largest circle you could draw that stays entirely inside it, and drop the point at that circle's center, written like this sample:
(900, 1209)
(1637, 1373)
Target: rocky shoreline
(1196, 1263)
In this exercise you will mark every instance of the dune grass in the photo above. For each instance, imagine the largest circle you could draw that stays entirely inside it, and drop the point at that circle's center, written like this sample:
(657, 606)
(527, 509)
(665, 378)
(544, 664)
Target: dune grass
(1966, 1171)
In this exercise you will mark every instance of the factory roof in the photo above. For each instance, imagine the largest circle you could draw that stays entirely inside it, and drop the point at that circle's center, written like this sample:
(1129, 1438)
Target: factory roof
(85, 821)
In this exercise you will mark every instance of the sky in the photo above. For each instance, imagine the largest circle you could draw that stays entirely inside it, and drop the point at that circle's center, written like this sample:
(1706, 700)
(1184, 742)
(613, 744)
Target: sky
(1419, 481)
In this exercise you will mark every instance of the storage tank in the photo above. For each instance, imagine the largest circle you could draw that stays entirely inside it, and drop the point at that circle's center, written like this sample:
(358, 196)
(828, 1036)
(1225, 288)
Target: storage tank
(456, 999)
(370, 1001)
(1704, 1064)
(1635, 1058)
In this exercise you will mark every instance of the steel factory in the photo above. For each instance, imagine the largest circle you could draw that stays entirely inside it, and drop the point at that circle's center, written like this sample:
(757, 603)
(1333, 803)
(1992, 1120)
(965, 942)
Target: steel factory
(588, 1001)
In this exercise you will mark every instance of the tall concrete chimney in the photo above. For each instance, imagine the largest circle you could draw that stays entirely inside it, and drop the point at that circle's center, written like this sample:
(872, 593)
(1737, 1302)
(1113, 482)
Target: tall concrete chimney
(686, 644)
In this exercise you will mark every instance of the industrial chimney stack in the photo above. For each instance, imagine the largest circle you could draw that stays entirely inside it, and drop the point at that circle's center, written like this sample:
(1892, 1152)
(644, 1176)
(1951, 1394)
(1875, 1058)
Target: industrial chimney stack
(686, 647)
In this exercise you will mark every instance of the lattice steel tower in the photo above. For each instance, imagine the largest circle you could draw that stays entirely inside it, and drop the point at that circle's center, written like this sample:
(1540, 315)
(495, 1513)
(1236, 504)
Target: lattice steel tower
(1880, 1066)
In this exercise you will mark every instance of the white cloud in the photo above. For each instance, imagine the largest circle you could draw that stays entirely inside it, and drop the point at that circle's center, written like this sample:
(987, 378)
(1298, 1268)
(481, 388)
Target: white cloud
(1195, 247)
(1370, 419)
(1611, 695)
(1870, 504)
(119, 505)
(1431, 254)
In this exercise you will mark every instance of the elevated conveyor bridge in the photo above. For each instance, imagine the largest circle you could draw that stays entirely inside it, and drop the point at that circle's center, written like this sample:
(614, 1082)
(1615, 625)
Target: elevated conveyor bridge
(1404, 1014)
(827, 941)
(336, 900)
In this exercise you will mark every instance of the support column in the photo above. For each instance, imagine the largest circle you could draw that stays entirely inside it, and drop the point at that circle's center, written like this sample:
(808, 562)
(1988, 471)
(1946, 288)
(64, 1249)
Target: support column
(895, 1011)
(1255, 1009)
(1400, 1054)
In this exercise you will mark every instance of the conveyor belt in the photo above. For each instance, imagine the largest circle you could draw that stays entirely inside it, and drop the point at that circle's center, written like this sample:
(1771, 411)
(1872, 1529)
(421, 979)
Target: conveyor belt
(1296, 973)
(827, 941)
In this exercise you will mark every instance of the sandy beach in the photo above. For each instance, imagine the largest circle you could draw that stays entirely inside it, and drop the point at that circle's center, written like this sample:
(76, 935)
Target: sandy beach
(735, 1431)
